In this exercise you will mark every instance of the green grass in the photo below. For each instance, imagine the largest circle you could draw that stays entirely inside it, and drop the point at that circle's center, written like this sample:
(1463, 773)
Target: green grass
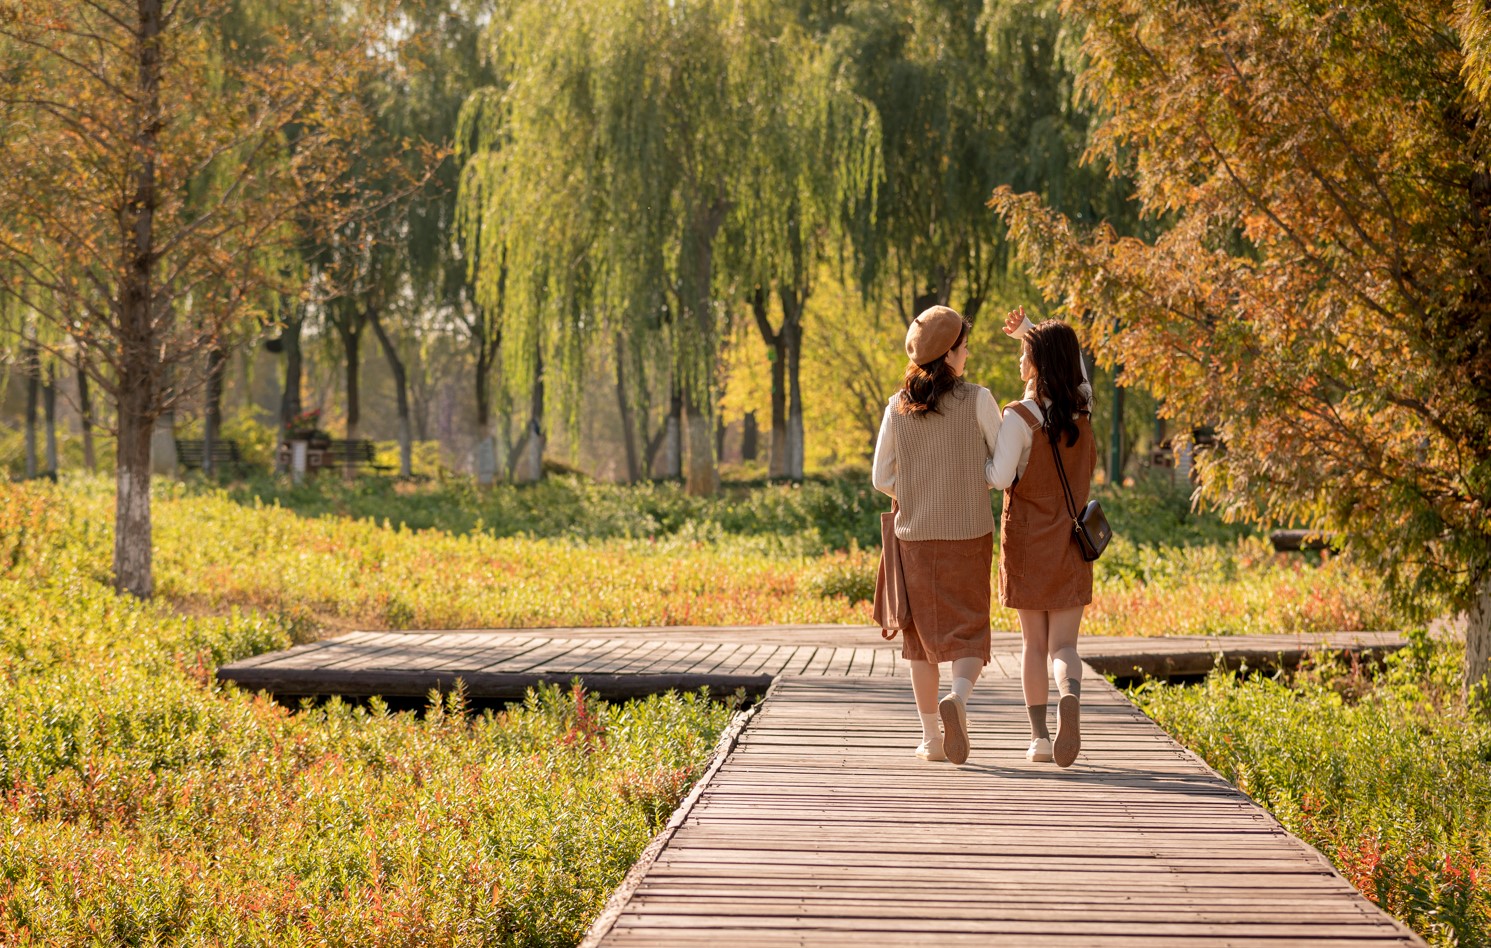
(146, 804)
(1384, 771)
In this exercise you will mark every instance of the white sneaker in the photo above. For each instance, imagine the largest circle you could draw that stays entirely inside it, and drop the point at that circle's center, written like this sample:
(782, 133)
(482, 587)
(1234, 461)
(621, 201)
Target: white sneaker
(931, 750)
(1040, 750)
(954, 728)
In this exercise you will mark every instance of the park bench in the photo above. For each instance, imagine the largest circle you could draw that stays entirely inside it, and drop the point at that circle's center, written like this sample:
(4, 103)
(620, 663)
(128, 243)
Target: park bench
(225, 453)
(359, 453)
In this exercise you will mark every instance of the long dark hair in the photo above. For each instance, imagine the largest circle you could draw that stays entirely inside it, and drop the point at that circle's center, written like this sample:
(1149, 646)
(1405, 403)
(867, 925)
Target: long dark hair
(1053, 349)
(926, 385)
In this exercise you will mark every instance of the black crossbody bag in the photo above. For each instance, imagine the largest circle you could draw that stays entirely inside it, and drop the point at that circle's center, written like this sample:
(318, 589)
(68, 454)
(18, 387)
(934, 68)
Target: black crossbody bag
(1089, 528)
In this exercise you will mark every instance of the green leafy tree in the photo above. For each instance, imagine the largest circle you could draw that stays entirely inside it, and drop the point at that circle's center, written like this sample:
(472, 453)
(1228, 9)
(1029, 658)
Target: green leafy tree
(970, 96)
(1322, 292)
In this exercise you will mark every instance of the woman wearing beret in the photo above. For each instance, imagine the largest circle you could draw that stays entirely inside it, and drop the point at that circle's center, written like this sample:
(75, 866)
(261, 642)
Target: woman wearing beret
(932, 457)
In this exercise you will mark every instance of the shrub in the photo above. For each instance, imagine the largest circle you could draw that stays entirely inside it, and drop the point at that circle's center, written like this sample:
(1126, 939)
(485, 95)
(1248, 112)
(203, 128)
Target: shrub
(147, 804)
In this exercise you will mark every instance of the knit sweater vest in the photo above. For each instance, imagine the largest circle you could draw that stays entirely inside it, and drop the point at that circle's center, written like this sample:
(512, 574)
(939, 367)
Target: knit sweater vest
(940, 460)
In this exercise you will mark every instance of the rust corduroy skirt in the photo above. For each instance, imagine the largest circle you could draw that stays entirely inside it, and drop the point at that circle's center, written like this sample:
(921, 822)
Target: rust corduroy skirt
(948, 586)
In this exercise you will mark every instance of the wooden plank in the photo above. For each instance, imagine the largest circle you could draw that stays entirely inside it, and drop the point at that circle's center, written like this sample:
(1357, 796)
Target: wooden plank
(839, 661)
(642, 656)
(569, 656)
(792, 660)
(801, 659)
(723, 653)
(766, 657)
(481, 650)
(538, 652)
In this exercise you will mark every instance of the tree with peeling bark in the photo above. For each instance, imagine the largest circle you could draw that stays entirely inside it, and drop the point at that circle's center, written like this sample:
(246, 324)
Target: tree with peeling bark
(1322, 290)
(145, 170)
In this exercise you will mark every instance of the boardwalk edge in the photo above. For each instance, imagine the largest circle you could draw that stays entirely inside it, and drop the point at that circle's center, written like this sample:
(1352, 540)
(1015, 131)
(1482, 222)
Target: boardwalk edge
(616, 904)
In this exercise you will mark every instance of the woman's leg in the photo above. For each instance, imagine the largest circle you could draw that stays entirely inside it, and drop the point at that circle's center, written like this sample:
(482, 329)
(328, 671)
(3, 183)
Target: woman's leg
(1062, 641)
(1033, 639)
(1034, 636)
(924, 685)
(1067, 665)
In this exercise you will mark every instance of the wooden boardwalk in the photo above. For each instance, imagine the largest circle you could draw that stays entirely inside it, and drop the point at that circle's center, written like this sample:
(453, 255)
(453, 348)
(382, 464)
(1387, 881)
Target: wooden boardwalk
(817, 826)
(821, 828)
(500, 665)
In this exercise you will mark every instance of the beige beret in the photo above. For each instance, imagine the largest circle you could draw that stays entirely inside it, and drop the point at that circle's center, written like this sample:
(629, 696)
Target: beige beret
(933, 334)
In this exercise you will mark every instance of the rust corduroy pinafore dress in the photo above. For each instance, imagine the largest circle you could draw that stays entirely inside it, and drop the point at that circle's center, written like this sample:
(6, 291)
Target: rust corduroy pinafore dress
(1040, 566)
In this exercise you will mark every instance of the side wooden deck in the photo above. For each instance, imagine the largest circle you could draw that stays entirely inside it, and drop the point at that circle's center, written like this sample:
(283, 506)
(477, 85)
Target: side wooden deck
(821, 828)
(622, 663)
(498, 665)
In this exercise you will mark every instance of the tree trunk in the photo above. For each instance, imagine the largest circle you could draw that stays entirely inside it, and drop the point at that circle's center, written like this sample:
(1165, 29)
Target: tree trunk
(487, 463)
(672, 462)
(212, 414)
(85, 411)
(791, 336)
(49, 412)
(132, 553)
(139, 374)
(531, 463)
(702, 479)
(32, 362)
(1478, 638)
(623, 402)
(749, 433)
(290, 400)
(1115, 440)
(351, 333)
(401, 389)
(777, 464)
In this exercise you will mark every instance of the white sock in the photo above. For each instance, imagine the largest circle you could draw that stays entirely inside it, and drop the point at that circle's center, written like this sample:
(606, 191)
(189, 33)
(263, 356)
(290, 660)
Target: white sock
(963, 687)
(931, 726)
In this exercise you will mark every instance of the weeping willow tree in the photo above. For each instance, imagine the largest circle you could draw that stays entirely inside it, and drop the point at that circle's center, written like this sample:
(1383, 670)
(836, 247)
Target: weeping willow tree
(604, 170)
(526, 209)
(812, 173)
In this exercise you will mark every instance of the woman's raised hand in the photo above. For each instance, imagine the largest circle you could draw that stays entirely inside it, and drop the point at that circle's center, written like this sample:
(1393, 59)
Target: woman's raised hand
(1014, 320)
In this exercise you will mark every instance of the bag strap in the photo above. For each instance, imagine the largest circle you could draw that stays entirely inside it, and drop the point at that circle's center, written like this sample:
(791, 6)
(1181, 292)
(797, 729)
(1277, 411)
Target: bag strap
(1029, 416)
(1066, 488)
